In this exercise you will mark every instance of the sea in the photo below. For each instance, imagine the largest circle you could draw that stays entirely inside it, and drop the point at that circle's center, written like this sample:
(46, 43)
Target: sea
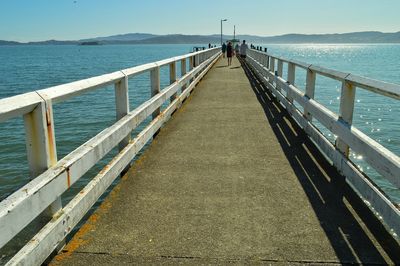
(25, 68)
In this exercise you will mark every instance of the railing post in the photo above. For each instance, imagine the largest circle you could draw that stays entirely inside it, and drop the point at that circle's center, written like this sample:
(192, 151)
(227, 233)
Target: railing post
(264, 60)
(155, 86)
(183, 72)
(196, 60)
(291, 78)
(279, 72)
(280, 68)
(172, 78)
(310, 90)
(347, 98)
(191, 63)
(271, 65)
(291, 73)
(191, 66)
(122, 105)
(41, 147)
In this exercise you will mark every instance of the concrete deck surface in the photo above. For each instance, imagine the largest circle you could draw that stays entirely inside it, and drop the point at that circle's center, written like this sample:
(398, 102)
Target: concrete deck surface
(230, 179)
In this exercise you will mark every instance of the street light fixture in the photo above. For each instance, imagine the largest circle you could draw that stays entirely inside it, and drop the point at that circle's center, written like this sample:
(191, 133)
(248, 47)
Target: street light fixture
(221, 28)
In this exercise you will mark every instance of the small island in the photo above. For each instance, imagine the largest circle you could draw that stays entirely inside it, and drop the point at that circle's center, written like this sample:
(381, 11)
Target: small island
(89, 43)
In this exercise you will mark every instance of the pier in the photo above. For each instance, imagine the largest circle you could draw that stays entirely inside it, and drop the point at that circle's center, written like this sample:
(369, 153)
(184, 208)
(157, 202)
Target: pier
(236, 172)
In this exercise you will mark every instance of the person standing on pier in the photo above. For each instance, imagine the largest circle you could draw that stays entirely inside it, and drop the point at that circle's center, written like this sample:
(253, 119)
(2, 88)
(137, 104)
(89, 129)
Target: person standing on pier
(223, 49)
(229, 53)
(243, 49)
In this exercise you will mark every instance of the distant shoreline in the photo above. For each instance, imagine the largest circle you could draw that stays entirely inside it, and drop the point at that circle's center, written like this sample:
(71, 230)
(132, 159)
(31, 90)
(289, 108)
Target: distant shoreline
(367, 37)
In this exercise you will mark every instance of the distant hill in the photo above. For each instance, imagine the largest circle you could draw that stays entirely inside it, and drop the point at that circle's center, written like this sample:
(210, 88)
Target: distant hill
(53, 42)
(123, 37)
(181, 39)
(147, 38)
(354, 37)
(8, 43)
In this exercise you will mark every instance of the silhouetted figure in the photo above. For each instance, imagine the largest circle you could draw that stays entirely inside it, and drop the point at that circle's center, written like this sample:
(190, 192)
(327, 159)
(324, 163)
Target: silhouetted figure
(223, 48)
(229, 53)
(243, 49)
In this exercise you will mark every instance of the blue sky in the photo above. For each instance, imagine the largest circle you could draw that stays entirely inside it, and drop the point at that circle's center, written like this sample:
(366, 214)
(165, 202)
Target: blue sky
(32, 20)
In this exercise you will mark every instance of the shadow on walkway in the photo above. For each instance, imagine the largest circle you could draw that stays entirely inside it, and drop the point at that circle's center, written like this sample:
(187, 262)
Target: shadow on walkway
(328, 193)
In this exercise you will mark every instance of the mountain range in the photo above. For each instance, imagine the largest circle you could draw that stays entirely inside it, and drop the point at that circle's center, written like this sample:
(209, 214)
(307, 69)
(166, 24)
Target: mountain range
(147, 38)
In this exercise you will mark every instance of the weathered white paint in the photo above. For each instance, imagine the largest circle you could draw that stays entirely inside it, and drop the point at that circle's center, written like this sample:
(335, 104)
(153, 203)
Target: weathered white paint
(291, 76)
(36, 251)
(183, 71)
(347, 98)
(380, 87)
(66, 91)
(27, 203)
(299, 64)
(155, 86)
(122, 104)
(280, 68)
(329, 73)
(172, 77)
(279, 72)
(18, 105)
(40, 148)
(310, 90)
(272, 64)
(41, 145)
(383, 160)
(291, 73)
(191, 64)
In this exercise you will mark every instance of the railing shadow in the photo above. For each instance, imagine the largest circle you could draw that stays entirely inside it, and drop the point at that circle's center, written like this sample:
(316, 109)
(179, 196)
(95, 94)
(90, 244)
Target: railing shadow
(327, 190)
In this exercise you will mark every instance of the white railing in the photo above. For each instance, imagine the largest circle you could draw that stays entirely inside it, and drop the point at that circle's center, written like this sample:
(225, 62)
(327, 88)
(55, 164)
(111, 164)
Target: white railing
(269, 70)
(51, 178)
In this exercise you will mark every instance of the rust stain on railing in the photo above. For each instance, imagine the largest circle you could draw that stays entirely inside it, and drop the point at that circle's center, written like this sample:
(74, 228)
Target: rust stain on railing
(51, 140)
(68, 178)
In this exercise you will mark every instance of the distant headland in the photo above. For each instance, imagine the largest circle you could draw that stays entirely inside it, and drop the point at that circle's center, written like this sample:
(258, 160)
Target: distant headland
(90, 43)
(147, 38)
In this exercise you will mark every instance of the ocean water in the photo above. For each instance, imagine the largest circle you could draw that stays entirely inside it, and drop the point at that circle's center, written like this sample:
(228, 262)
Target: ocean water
(27, 68)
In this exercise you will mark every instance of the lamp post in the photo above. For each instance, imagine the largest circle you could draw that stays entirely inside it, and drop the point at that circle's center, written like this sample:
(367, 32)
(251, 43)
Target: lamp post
(221, 28)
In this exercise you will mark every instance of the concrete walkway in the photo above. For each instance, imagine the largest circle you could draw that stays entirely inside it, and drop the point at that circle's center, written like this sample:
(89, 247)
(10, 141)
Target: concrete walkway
(229, 179)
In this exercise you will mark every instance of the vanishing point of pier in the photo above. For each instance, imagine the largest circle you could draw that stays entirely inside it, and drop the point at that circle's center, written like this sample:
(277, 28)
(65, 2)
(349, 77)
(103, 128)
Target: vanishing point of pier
(238, 174)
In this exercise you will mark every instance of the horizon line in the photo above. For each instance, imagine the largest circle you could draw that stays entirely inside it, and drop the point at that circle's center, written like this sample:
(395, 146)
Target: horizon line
(183, 34)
